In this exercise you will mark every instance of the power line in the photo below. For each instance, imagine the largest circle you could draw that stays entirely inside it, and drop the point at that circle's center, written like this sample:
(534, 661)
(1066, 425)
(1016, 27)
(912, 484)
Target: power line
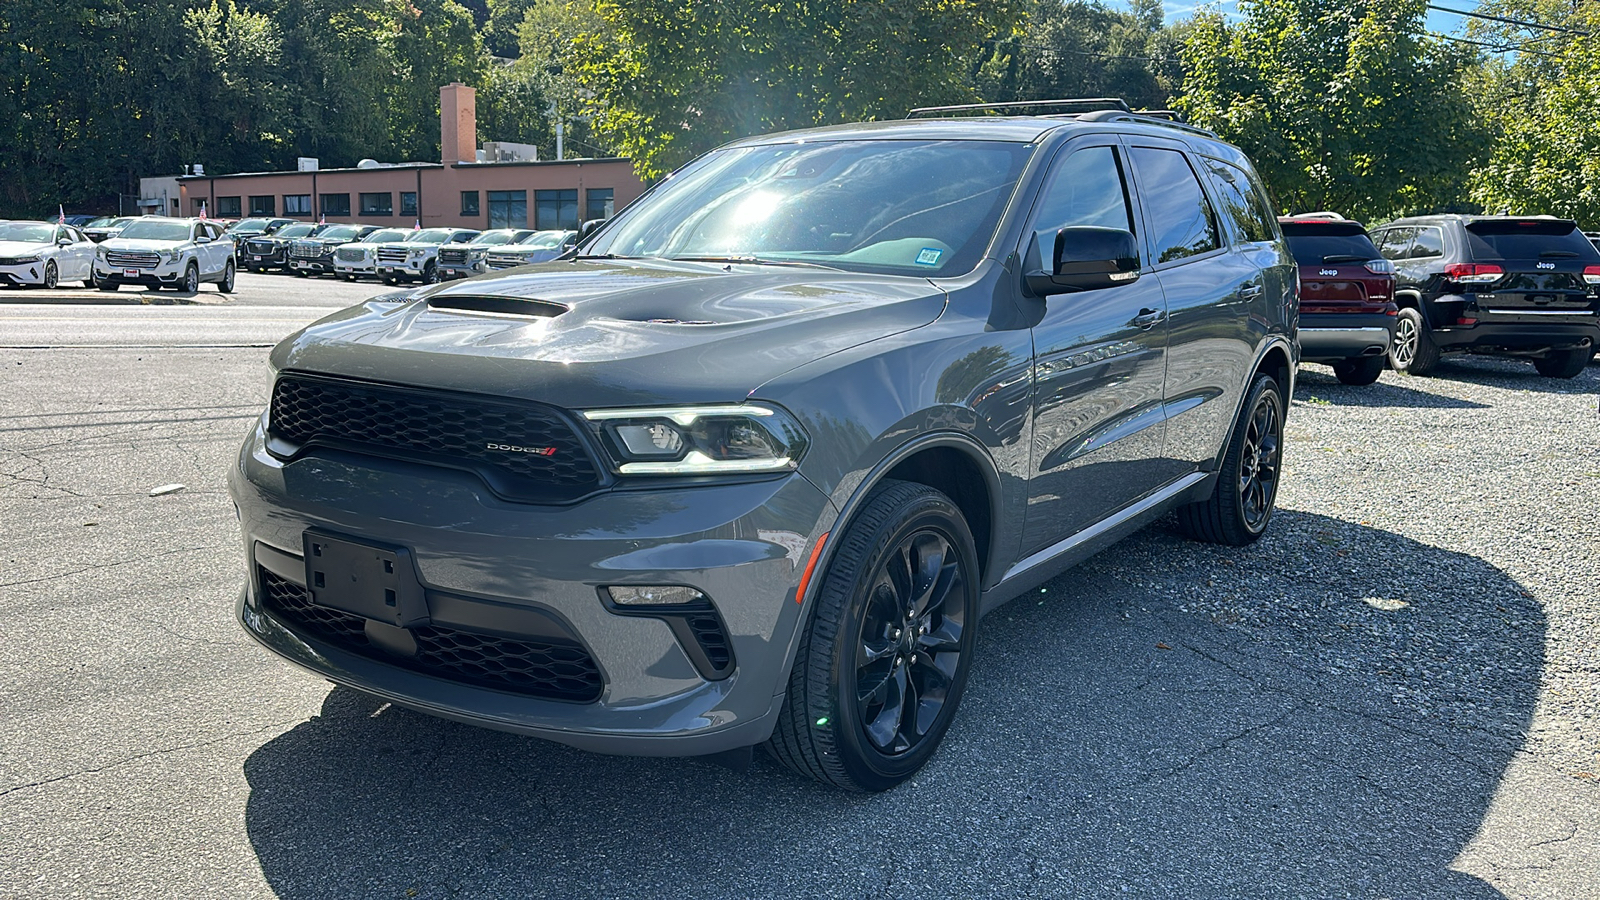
(1496, 48)
(1502, 19)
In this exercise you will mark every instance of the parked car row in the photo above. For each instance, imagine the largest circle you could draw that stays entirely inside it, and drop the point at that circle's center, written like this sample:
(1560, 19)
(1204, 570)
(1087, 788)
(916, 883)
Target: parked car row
(1416, 289)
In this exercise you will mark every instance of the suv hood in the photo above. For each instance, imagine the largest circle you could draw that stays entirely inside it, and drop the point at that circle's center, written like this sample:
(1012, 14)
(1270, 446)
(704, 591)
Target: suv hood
(118, 243)
(599, 333)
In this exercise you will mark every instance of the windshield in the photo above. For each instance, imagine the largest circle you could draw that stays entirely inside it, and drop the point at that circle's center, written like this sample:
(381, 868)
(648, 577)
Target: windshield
(493, 238)
(906, 207)
(544, 240)
(341, 232)
(30, 234)
(156, 230)
(428, 236)
(294, 231)
(387, 234)
(102, 221)
(249, 225)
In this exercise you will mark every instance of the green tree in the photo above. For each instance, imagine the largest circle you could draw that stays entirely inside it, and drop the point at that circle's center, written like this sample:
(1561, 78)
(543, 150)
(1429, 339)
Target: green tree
(1083, 48)
(434, 43)
(1348, 106)
(1542, 104)
(668, 80)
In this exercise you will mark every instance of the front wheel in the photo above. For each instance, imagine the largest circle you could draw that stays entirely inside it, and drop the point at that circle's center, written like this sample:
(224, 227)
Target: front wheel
(228, 277)
(430, 274)
(1240, 506)
(881, 667)
(191, 279)
(52, 275)
(1360, 371)
(1563, 363)
(1413, 350)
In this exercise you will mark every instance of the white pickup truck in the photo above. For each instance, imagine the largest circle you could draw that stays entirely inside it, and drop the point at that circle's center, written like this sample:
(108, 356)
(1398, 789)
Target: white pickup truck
(417, 257)
(159, 252)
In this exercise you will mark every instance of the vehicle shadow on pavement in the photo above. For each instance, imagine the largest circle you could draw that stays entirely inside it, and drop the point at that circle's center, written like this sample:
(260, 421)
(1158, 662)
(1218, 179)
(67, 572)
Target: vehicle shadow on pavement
(1313, 386)
(1325, 713)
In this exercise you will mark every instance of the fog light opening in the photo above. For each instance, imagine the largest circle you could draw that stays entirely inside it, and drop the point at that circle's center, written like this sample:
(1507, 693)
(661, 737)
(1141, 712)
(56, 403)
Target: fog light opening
(655, 595)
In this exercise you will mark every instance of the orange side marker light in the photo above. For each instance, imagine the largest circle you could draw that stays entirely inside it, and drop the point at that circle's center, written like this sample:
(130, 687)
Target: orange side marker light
(811, 564)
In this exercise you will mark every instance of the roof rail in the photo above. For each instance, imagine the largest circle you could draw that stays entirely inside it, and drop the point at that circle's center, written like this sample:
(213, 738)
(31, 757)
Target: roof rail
(1077, 105)
(1166, 118)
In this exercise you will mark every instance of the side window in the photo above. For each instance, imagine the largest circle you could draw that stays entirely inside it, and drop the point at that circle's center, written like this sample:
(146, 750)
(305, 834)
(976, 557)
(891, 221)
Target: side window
(1087, 188)
(1394, 243)
(1429, 242)
(1181, 219)
(1230, 186)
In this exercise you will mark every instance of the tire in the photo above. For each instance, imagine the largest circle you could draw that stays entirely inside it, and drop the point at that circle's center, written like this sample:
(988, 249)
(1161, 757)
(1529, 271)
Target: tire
(1240, 506)
(898, 606)
(1412, 351)
(52, 275)
(191, 279)
(229, 275)
(350, 278)
(1361, 371)
(91, 282)
(300, 273)
(250, 268)
(108, 285)
(1563, 363)
(430, 274)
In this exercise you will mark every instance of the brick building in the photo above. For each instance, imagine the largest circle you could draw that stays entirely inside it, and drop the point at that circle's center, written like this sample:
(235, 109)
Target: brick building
(463, 189)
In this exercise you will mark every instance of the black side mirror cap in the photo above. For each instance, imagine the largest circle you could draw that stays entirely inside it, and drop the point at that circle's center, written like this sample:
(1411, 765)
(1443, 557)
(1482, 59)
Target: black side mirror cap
(590, 227)
(1087, 258)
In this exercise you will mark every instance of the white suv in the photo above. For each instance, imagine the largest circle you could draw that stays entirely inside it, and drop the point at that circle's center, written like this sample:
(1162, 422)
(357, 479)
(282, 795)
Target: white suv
(159, 252)
(417, 257)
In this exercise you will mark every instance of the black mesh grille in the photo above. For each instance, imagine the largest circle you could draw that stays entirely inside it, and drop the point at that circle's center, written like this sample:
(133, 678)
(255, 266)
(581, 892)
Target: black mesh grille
(543, 459)
(542, 667)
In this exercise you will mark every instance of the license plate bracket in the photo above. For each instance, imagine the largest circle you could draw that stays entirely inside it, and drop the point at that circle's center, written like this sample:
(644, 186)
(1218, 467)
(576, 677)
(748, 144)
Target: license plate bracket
(370, 580)
(130, 273)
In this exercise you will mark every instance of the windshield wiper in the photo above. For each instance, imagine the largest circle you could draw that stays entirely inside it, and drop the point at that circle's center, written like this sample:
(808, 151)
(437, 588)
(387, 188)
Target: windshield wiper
(750, 260)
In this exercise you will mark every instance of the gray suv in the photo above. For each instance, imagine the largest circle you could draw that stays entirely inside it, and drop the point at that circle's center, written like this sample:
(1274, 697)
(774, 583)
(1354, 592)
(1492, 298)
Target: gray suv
(750, 464)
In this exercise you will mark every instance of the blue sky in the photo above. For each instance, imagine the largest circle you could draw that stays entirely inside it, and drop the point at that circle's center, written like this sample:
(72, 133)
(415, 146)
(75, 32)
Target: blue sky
(1439, 22)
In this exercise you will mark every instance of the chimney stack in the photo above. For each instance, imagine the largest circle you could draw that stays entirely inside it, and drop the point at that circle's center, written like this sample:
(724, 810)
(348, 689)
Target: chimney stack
(458, 124)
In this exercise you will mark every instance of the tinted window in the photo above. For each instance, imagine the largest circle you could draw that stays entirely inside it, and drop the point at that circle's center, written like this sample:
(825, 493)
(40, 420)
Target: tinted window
(1315, 243)
(1526, 240)
(1428, 242)
(1181, 220)
(1242, 206)
(1086, 189)
(1394, 243)
(911, 207)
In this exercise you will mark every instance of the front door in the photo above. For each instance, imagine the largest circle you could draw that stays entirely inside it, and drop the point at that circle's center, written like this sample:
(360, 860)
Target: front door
(1099, 362)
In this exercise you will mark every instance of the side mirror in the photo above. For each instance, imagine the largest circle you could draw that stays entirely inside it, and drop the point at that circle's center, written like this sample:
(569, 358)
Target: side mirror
(202, 240)
(590, 227)
(1087, 258)
(64, 242)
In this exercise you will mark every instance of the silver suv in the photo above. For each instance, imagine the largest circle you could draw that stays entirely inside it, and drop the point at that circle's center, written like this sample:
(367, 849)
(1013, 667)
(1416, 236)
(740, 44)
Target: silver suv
(159, 252)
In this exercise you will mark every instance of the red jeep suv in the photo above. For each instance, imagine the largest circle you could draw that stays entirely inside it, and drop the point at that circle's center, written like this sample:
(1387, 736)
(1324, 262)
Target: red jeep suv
(1347, 308)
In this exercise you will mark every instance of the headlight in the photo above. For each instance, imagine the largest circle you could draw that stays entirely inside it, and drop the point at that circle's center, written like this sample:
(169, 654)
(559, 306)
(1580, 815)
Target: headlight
(100, 253)
(699, 440)
(418, 254)
(24, 260)
(170, 254)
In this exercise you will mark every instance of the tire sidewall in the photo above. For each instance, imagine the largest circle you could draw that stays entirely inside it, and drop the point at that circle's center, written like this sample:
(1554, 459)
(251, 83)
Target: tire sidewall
(863, 762)
(1265, 386)
(191, 278)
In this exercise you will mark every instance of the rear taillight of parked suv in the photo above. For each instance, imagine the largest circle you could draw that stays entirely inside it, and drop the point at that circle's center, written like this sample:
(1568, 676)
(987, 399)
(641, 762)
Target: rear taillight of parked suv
(1473, 273)
(1380, 266)
(1591, 274)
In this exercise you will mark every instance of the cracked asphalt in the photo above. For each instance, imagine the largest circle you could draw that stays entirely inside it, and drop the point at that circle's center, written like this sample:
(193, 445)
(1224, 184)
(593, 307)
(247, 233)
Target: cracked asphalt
(1395, 694)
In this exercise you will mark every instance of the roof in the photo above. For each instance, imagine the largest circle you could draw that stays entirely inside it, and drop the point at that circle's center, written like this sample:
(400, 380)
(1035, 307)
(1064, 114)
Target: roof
(1019, 129)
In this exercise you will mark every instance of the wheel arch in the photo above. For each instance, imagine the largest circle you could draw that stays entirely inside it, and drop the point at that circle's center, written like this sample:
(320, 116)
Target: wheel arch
(1276, 360)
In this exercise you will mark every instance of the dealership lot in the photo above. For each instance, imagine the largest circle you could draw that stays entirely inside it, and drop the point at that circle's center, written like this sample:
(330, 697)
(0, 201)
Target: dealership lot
(1395, 693)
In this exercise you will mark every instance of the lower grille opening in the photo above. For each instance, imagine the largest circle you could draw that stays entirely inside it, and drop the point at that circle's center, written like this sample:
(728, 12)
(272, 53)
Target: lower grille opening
(713, 640)
(540, 667)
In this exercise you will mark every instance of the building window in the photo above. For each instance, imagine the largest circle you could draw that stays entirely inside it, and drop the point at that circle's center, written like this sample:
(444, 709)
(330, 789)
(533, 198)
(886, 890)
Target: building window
(227, 208)
(469, 204)
(264, 206)
(556, 209)
(408, 203)
(377, 204)
(600, 204)
(297, 204)
(335, 204)
(508, 209)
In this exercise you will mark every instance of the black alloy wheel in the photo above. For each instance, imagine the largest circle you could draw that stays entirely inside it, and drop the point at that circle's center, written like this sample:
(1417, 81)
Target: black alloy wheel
(881, 668)
(1240, 506)
(52, 276)
(191, 279)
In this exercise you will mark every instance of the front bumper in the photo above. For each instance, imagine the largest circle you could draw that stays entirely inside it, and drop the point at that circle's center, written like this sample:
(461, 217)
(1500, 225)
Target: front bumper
(483, 560)
(448, 271)
(277, 259)
(1335, 337)
(411, 268)
(346, 268)
(22, 273)
(317, 264)
(166, 274)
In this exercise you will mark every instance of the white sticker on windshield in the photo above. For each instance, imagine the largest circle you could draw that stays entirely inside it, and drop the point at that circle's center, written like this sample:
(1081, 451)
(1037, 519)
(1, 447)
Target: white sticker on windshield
(929, 256)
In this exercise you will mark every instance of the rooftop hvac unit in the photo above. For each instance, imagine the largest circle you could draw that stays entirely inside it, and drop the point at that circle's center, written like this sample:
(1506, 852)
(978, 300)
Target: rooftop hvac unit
(308, 164)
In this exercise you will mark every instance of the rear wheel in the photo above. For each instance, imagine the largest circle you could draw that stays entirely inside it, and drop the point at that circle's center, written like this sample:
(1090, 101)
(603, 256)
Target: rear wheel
(1563, 363)
(1240, 506)
(881, 668)
(1360, 371)
(1413, 350)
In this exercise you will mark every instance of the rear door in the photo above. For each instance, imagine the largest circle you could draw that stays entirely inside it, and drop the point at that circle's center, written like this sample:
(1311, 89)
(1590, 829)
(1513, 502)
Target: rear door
(1541, 265)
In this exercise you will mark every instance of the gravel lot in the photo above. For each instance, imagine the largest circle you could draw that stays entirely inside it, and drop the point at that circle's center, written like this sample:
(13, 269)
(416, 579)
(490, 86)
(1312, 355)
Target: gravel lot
(1393, 694)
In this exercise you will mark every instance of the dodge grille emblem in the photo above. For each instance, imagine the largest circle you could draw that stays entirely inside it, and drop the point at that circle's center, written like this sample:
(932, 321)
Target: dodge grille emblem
(512, 448)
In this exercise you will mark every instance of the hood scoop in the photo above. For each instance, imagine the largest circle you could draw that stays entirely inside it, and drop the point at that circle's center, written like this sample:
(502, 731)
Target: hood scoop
(513, 307)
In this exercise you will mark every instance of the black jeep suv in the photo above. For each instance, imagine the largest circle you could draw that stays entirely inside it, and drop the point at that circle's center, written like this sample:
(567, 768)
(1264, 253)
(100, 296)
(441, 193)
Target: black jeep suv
(749, 465)
(1500, 285)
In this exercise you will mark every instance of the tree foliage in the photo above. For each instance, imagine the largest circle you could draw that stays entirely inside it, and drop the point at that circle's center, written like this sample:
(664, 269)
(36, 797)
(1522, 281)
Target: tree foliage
(668, 79)
(1544, 107)
(1083, 48)
(1348, 106)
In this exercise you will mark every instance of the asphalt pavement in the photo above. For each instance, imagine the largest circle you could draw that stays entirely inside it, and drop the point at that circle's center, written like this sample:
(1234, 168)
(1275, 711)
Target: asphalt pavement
(1396, 693)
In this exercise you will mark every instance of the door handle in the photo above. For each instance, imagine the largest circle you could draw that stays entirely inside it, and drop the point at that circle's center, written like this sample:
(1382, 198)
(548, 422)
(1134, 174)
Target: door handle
(1250, 291)
(1147, 318)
